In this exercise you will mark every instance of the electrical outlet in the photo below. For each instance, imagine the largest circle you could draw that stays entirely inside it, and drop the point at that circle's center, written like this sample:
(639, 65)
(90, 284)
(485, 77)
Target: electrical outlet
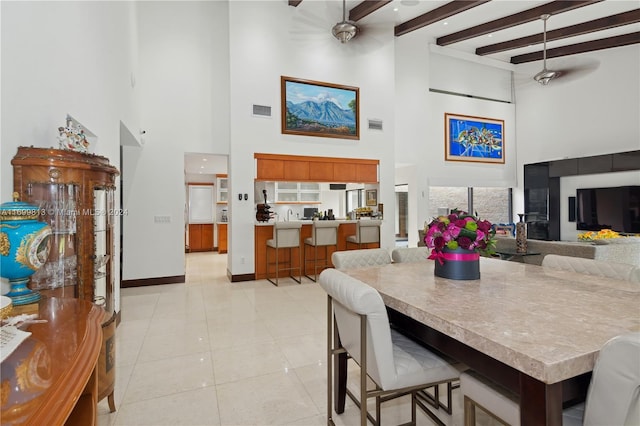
(162, 219)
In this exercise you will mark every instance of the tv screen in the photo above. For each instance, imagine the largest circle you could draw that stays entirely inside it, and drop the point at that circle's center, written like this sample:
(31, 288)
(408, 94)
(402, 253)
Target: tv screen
(616, 208)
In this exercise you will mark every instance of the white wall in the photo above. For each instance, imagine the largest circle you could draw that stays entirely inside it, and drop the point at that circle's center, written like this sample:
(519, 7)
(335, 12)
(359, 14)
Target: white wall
(267, 42)
(420, 121)
(183, 82)
(62, 58)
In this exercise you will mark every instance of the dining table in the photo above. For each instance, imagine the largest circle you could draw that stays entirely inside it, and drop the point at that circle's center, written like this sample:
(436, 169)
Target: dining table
(535, 331)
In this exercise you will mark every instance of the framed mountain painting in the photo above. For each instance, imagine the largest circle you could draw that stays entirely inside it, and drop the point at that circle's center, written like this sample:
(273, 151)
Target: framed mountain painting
(475, 139)
(314, 108)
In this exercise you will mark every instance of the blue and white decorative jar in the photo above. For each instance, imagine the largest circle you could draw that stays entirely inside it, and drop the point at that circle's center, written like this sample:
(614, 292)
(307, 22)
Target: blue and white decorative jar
(24, 247)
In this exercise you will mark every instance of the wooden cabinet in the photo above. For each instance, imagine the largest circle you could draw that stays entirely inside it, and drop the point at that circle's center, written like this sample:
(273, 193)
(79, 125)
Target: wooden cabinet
(51, 378)
(270, 169)
(222, 238)
(295, 168)
(75, 193)
(321, 171)
(201, 237)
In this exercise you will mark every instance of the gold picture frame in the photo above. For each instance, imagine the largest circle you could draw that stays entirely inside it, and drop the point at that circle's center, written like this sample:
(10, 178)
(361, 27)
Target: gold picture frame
(372, 197)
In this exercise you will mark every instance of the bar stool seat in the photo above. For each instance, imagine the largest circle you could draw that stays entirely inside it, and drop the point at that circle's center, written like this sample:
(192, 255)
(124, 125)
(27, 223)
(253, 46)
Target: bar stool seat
(323, 234)
(285, 235)
(367, 232)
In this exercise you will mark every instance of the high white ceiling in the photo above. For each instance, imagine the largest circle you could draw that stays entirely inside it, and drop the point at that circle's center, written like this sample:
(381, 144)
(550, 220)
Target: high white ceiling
(317, 14)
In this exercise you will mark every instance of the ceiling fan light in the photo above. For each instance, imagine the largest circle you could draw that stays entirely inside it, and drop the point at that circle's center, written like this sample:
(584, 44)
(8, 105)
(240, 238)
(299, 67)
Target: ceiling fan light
(344, 31)
(544, 76)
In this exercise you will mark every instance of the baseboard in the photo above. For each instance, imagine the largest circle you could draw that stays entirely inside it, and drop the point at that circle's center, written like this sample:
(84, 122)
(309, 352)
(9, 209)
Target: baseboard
(239, 278)
(152, 281)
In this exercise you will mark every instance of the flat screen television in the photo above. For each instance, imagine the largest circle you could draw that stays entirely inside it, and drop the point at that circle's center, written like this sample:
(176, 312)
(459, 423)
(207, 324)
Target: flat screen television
(616, 208)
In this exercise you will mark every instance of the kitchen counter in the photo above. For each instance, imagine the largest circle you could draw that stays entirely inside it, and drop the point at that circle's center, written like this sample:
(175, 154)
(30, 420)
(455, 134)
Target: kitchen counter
(264, 231)
(303, 221)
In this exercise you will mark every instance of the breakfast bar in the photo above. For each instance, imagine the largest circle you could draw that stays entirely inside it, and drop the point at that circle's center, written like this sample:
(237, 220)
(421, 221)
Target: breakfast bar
(264, 231)
(536, 332)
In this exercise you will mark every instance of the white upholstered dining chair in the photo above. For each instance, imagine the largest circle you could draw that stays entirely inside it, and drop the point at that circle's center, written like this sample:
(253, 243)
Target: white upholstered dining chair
(360, 258)
(600, 268)
(358, 325)
(613, 397)
(410, 254)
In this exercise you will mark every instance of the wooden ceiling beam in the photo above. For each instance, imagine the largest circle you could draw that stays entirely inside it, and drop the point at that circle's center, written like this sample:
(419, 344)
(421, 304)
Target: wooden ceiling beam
(620, 19)
(524, 17)
(436, 15)
(294, 3)
(366, 8)
(573, 49)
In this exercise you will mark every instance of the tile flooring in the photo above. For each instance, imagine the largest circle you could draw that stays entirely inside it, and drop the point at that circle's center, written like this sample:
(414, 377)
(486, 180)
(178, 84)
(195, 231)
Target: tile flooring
(211, 352)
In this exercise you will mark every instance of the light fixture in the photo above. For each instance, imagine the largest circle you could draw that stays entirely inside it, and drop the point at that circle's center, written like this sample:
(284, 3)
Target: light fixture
(544, 76)
(344, 30)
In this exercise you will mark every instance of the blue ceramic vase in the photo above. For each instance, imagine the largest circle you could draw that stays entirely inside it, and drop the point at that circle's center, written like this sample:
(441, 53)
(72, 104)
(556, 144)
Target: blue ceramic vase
(24, 248)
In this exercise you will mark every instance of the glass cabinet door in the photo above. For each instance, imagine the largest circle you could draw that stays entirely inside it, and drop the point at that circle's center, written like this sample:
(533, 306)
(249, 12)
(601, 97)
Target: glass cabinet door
(58, 204)
(103, 203)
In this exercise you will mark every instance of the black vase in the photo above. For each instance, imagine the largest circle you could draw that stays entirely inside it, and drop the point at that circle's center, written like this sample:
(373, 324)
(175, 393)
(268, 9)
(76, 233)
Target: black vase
(458, 264)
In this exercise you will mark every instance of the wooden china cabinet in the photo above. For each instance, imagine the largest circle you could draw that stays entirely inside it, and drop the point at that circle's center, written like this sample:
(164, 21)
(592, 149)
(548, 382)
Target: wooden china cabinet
(75, 193)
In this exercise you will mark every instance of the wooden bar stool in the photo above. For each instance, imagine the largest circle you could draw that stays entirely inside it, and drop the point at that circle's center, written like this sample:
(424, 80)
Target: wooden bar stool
(323, 234)
(367, 232)
(285, 235)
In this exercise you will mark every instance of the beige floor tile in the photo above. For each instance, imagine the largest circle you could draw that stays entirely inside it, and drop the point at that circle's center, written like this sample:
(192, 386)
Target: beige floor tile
(241, 362)
(171, 345)
(272, 399)
(167, 376)
(189, 408)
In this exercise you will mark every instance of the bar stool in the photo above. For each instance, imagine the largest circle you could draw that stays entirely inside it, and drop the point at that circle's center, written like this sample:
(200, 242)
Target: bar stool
(285, 235)
(367, 231)
(324, 234)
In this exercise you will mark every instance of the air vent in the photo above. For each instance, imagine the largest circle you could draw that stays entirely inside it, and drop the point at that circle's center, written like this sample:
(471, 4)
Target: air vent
(375, 124)
(261, 111)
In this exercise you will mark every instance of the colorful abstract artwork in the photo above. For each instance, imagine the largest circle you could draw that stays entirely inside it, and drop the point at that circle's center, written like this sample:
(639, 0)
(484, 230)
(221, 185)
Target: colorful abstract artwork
(475, 139)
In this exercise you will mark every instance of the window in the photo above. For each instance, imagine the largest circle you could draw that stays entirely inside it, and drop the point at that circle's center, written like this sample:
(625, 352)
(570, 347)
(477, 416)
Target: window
(492, 204)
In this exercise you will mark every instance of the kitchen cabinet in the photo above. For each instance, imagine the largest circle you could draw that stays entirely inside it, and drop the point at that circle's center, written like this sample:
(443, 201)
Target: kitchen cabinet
(200, 237)
(270, 169)
(321, 171)
(296, 168)
(297, 192)
(296, 171)
(222, 191)
(222, 238)
(76, 195)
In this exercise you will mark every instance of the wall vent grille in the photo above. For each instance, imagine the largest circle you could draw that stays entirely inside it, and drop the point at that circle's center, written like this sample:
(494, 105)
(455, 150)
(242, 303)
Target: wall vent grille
(375, 124)
(262, 110)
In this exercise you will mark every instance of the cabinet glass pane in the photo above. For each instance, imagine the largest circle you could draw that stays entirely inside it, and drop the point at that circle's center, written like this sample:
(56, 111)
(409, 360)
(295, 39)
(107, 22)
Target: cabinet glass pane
(58, 205)
(286, 185)
(310, 196)
(311, 186)
(223, 197)
(222, 184)
(287, 197)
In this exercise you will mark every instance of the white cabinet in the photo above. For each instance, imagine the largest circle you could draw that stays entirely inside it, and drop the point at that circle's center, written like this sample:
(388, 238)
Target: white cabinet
(297, 192)
(222, 193)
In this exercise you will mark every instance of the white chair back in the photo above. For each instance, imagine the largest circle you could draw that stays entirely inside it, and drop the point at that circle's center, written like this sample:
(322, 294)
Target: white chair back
(360, 258)
(410, 254)
(368, 231)
(357, 298)
(324, 233)
(620, 271)
(614, 392)
(286, 234)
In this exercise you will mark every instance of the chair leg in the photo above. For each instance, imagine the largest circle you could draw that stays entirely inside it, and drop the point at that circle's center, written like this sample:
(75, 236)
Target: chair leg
(469, 412)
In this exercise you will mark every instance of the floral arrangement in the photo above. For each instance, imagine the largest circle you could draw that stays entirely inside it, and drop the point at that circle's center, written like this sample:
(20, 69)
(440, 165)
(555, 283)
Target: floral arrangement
(603, 234)
(459, 229)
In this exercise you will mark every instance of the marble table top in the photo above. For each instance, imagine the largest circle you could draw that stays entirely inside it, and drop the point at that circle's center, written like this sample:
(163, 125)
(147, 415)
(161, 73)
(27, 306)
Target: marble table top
(547, 324)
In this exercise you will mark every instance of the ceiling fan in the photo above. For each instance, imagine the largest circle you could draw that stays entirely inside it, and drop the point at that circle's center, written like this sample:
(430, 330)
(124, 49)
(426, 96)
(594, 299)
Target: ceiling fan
(345, 30)
(545, 76)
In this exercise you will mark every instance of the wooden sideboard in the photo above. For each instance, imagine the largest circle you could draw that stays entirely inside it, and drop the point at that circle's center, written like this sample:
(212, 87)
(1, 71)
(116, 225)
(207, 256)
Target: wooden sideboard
(222, 238)
(56, 367)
